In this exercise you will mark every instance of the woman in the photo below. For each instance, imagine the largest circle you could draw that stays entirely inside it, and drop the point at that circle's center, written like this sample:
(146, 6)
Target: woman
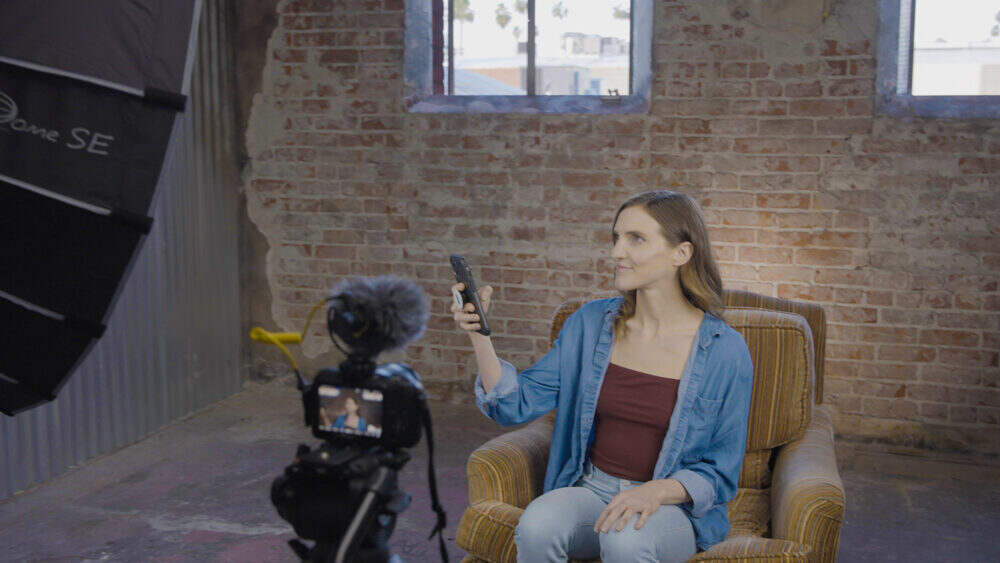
(629, 476)
(351, 419)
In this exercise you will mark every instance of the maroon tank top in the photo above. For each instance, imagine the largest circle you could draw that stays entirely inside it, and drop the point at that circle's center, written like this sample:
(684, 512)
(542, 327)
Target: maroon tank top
(633, 413)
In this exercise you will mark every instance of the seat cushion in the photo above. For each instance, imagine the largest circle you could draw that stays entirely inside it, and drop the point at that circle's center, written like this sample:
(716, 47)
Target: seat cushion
(749, 513)
(756, 470)
(747, 549)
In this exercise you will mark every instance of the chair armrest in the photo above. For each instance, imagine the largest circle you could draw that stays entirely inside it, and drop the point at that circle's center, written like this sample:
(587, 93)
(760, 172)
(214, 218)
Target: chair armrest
(752, 548)
(807, 494)
(486, 531)
(511, 467)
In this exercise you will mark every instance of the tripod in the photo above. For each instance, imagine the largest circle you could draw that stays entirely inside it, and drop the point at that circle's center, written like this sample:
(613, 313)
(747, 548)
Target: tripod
(372, 473)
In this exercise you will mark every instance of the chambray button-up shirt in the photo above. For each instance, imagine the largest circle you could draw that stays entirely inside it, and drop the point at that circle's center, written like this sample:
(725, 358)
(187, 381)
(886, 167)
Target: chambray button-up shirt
(704, 445)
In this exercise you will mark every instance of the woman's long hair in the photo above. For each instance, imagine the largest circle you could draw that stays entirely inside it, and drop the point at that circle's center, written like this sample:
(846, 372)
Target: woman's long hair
(680, 221)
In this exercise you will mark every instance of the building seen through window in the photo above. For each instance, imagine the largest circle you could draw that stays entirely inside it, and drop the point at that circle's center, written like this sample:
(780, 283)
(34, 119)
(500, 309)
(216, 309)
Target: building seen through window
(573, 48)
(955, 48)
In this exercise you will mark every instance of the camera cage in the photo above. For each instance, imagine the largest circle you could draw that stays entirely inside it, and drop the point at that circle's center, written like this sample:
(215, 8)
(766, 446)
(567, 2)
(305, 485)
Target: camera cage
(403, 402)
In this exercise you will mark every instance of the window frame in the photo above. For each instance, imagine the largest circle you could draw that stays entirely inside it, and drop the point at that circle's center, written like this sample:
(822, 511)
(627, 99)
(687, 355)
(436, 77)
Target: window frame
(418, 63)
(896, 100)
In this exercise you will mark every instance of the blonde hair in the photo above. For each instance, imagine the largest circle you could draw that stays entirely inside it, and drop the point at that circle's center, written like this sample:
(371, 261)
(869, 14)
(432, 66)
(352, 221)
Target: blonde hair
(680, 221)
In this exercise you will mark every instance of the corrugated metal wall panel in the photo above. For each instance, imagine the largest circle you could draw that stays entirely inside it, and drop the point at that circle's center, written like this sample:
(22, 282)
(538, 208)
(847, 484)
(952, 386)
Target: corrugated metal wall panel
(172, 343)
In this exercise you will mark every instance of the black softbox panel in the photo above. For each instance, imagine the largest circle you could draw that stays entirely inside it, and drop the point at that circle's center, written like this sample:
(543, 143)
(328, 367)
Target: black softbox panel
(44, 347)
(60, 257)
(94, 145)
(89, 92)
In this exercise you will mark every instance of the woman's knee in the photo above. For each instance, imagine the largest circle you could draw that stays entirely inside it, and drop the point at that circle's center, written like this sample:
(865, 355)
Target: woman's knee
(627, 545)
(549, 518)
(666, 540)
(541, 518)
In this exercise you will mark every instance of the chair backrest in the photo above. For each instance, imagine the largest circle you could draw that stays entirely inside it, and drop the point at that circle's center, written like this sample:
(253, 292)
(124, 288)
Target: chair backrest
(813, 313)
(783, 354)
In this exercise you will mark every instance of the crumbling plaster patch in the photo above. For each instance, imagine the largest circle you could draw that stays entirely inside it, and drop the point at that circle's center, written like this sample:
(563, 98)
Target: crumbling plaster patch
(267, 129)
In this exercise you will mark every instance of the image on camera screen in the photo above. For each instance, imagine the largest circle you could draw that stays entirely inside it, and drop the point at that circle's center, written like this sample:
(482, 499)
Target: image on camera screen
(351, 410)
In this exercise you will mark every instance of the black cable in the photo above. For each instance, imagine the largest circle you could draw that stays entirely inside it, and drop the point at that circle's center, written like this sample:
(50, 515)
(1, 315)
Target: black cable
(432, 482)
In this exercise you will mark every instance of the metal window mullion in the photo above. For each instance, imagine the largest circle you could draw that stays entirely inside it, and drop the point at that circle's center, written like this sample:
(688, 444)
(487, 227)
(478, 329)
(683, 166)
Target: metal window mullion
(437, 46)
(451, 47)
(631, 46)
(910, 54)
(530, 82)
(904, 56)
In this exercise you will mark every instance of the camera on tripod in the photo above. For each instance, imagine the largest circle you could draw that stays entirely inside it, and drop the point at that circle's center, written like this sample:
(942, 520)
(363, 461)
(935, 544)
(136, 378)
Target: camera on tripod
(343, 494)
(378, 410)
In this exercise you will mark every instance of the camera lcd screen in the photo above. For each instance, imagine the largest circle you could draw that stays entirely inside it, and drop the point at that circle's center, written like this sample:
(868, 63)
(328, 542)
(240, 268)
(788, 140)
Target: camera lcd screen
(350, 410)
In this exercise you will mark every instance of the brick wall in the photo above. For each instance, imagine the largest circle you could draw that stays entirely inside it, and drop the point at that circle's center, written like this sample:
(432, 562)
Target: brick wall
(892, 224)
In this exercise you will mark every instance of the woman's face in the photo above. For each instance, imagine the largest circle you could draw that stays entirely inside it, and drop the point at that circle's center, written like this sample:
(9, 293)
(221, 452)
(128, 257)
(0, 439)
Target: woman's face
(642, 255)
(351, 405)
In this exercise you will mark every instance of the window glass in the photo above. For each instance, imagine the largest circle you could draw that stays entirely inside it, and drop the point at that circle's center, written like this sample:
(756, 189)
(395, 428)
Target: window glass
(490, 47)
(581, 47)
(956, 48)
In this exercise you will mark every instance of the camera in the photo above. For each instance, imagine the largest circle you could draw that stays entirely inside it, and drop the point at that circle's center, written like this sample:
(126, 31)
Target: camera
(377, 411)
(343, 493)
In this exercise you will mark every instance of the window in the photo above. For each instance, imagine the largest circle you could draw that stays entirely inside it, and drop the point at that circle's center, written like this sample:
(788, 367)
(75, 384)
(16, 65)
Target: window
(939, 58)
(531, 56)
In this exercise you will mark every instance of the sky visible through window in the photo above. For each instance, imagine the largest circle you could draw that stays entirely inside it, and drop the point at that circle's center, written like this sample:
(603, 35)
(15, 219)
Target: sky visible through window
(956, 21)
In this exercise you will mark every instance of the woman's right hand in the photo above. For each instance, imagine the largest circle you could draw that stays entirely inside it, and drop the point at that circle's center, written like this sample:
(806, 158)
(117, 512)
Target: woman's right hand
(466, 318)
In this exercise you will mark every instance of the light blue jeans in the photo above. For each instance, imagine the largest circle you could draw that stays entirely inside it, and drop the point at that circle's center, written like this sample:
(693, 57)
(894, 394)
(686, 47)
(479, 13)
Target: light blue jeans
(560, 524)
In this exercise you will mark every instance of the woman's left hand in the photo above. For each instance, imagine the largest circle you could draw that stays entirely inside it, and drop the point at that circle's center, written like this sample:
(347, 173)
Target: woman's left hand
(644, 499)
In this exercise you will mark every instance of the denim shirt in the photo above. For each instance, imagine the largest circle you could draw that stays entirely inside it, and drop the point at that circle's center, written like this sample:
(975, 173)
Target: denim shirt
(704, 445)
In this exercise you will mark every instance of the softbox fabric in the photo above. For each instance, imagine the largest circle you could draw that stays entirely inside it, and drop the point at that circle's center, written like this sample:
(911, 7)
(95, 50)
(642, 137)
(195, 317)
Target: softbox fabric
(138, 44)
(92, 144)
(89, 92)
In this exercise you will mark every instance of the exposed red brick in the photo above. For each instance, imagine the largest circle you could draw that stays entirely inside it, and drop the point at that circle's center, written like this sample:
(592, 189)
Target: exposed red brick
(808, 195)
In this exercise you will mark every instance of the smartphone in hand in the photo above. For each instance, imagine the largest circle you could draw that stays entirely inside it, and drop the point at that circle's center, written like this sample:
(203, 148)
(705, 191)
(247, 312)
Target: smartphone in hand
(470, 294)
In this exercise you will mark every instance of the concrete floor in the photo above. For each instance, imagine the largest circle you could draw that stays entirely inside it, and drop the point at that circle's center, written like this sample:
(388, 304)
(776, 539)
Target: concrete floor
(198, 490)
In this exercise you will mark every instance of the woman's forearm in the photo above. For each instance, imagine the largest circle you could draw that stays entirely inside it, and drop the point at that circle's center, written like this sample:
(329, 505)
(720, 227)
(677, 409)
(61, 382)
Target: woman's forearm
(486, 357)
(672, 492)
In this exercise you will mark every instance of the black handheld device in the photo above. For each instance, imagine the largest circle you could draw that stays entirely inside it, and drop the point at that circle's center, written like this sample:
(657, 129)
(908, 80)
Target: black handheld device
(470, 294)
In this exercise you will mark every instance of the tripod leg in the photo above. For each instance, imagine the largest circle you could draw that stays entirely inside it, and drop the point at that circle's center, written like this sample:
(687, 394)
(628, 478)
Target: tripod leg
(300, 549)
(365, 511)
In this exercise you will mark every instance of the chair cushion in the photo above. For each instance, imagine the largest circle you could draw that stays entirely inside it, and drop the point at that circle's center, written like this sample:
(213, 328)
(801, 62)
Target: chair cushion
(749, 548)
(781, 350)
(756, 470)
(486, 530)
(813, 313)
(749, 513)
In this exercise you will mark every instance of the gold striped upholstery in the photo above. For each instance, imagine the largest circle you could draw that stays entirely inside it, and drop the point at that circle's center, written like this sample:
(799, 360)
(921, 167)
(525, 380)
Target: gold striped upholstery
(807, 498)
(489, 526)
(756, 470)
(813, 313)
(781, 352)
(749, 549)
(791, 513)
(749, 512)
(511, 467)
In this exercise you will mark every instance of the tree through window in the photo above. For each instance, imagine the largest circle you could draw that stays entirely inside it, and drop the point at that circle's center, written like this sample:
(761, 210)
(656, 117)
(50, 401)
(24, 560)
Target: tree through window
(532, 47)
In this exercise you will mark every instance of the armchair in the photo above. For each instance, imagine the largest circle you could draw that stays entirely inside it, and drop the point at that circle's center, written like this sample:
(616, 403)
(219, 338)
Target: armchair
(790, 502)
